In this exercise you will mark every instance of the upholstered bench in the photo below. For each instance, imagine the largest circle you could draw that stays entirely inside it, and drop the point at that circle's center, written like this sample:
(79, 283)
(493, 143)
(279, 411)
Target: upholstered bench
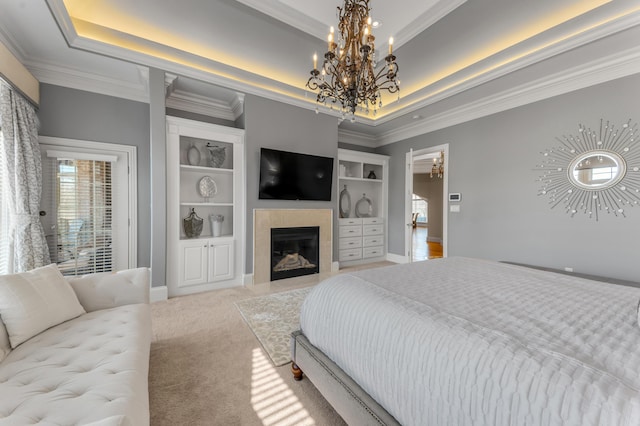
(91, 367)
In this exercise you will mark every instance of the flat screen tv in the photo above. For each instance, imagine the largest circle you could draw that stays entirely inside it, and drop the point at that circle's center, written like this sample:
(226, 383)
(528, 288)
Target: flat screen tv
(292, 176)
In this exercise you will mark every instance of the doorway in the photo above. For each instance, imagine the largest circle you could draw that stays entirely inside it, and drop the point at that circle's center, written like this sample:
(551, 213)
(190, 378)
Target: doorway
(88, 206)
(426, 203)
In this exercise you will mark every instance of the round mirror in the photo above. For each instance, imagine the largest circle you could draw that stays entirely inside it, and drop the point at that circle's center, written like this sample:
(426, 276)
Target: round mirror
(596, 170)
(364, 208)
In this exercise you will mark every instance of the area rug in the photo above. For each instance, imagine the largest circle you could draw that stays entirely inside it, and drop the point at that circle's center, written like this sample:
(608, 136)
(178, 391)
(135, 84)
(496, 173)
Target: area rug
(272, 319)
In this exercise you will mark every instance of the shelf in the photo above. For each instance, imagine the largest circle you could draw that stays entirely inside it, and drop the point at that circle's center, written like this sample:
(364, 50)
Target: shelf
(201, 204)
(207, 237)
(356, 179)
(189, 168)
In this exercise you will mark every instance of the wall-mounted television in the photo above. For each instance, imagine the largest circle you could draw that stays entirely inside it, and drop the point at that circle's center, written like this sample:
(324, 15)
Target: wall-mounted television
(292, 176)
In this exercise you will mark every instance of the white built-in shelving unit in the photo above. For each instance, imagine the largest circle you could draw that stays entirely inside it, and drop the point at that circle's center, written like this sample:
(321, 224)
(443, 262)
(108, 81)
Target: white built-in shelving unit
(362, 235)
(204, 262)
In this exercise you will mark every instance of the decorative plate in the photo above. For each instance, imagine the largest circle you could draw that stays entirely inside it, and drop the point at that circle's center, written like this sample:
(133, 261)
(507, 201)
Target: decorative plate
(207, 187)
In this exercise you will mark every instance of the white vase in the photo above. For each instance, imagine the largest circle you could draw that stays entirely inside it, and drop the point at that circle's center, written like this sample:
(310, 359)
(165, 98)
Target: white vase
(193, 156)
(216, 224)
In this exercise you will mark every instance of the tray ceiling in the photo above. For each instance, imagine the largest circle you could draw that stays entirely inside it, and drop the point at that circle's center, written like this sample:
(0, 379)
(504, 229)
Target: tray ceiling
(446, 49)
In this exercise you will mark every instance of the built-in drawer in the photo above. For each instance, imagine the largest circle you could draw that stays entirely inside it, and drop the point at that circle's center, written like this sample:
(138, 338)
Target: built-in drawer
(372, 252)
(350, 231)
(350, 254)
(374, 240)
(372, 220)
(350, 221)
(349, 243)
(372, 230)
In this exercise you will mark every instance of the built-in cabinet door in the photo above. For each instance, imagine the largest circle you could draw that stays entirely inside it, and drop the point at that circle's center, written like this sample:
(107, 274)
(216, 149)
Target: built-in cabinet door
(193, 262)
(220, 261)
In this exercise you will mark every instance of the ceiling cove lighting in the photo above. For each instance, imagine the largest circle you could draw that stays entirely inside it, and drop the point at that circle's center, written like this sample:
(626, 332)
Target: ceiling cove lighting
(348, 78)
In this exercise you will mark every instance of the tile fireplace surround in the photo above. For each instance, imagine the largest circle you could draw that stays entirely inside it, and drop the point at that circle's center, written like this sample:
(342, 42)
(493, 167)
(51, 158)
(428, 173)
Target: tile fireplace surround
(265, 219)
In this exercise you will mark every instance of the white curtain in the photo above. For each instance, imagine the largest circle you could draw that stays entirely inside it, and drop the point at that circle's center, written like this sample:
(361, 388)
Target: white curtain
(20, 153)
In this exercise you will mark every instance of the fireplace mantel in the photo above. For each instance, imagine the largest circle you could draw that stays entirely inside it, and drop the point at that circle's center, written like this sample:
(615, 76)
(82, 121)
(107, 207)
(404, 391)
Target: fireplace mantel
(265, 219)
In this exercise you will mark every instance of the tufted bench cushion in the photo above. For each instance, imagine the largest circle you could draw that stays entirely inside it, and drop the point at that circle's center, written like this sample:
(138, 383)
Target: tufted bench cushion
(91, 369)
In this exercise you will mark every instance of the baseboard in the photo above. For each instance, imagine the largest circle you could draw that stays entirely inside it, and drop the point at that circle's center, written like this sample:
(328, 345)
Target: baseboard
(335, 266)
(396, 258)
(247, 280)
(434, 240)
(158, 294)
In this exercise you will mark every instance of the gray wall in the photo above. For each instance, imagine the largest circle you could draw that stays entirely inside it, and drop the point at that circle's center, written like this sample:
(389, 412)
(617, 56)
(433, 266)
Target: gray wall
(430, 188)
(75, 114)
(275, 125)
(492, 163)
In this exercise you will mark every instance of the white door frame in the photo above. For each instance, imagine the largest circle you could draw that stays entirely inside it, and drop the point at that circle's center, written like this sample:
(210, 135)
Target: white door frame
(409, 196)
(130, 153)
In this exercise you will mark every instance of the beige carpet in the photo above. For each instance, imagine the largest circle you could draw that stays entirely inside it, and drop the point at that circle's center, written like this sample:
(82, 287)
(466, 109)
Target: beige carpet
(272, 319)
(207, 368)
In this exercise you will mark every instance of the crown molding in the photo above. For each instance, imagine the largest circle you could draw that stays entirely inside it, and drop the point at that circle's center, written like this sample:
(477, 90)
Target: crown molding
(62, 18)
(483, 71)
(196, 67)
(198, 104)
(599, 71)
(237, 105)
(357, 138)
(68, 77)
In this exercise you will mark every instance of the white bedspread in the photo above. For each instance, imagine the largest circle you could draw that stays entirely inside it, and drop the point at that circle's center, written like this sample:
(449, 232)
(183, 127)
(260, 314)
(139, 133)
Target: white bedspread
(462, 341)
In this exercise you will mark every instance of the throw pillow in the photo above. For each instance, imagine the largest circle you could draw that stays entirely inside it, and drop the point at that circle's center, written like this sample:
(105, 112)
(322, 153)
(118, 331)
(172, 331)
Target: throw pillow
(5, 346)
(31, 302)
(106, 290)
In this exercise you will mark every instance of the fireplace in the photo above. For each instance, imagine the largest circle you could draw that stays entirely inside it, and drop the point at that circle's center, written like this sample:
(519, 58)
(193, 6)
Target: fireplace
(264, 220)
(294, 252)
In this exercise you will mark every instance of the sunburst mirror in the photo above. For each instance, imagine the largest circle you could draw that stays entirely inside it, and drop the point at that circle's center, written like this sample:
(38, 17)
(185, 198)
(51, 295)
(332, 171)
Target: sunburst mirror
(594, 171)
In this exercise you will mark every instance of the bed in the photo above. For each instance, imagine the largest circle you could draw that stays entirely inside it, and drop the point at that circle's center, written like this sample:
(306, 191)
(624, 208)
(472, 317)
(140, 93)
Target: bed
(461, 341)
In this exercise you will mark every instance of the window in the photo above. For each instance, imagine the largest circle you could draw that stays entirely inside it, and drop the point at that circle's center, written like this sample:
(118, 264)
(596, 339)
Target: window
(420, 206)
(603, 174)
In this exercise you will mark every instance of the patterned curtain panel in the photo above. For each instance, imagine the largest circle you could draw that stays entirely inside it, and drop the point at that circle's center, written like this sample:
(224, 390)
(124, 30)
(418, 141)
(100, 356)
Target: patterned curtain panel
(22, 164)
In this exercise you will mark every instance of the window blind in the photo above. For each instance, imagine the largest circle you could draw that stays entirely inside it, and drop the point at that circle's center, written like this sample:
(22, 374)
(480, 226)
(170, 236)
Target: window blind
(83, 237)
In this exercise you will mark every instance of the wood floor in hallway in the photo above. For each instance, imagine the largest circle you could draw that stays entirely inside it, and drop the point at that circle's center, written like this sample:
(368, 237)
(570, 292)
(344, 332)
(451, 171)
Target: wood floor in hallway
(423, 250)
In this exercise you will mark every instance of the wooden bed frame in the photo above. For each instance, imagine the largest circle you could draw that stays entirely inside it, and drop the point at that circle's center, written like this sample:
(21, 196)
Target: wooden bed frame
(349, 400)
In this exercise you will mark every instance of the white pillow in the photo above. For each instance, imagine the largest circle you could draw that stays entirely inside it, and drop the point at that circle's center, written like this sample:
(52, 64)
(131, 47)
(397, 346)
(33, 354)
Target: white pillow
(110, 289)
(5, 346)
(31, 302)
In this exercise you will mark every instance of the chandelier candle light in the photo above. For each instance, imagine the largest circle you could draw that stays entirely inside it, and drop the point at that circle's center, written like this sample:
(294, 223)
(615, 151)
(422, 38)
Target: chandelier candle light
(348, 78)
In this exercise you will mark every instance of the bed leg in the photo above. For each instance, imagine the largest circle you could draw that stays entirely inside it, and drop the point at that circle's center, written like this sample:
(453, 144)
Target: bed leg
(297, 373)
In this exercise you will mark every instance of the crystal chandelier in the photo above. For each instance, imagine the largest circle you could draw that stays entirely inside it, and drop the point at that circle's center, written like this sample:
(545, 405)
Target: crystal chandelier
(348, 78)
(438, 166)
